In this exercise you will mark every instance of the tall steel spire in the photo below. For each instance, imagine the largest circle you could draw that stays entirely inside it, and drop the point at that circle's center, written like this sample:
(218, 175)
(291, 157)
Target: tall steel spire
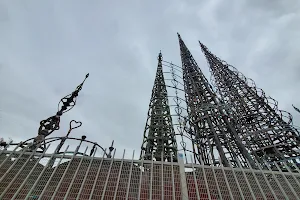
(159, 135)
(212, 133)
(265, 133)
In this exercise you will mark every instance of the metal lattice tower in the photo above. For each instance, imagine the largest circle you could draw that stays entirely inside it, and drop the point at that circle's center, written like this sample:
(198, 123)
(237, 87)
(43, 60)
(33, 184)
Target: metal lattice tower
(212, 133)
(264, 131)
(159, 135)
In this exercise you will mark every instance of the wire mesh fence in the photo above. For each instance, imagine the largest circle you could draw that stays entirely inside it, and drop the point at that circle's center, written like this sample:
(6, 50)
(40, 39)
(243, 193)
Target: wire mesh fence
(26, 174)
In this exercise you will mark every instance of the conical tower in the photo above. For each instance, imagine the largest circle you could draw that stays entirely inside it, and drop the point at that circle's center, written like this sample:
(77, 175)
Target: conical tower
(264, 132)
(212, 133)
(159, 135)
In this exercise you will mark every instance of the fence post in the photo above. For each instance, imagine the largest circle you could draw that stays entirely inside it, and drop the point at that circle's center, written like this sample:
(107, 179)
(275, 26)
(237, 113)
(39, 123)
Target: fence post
(184, 191)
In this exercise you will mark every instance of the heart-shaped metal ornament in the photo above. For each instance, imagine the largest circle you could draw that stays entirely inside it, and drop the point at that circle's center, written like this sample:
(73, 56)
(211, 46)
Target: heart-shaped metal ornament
(75, 124)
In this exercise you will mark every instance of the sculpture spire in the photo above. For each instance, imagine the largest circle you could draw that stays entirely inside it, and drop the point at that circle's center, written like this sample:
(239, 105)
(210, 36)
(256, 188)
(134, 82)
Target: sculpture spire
(265, 133)
(52, 123)
(159, 135)
(214, 138)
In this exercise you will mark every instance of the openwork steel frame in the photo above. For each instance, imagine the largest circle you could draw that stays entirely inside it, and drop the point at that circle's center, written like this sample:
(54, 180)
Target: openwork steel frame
(267, 132)
(215, 138)
(176, 94)
(159, 135)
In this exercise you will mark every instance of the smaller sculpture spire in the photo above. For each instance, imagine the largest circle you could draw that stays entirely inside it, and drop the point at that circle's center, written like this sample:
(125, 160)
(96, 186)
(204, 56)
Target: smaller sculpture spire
(159, 135)
(52, 123)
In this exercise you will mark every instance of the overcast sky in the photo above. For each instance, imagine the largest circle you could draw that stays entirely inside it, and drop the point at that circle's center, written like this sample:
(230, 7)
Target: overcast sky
(47, 47)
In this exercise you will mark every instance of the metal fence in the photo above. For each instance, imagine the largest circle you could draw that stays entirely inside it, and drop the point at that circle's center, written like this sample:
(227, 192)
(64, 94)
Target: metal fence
(27, 174)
